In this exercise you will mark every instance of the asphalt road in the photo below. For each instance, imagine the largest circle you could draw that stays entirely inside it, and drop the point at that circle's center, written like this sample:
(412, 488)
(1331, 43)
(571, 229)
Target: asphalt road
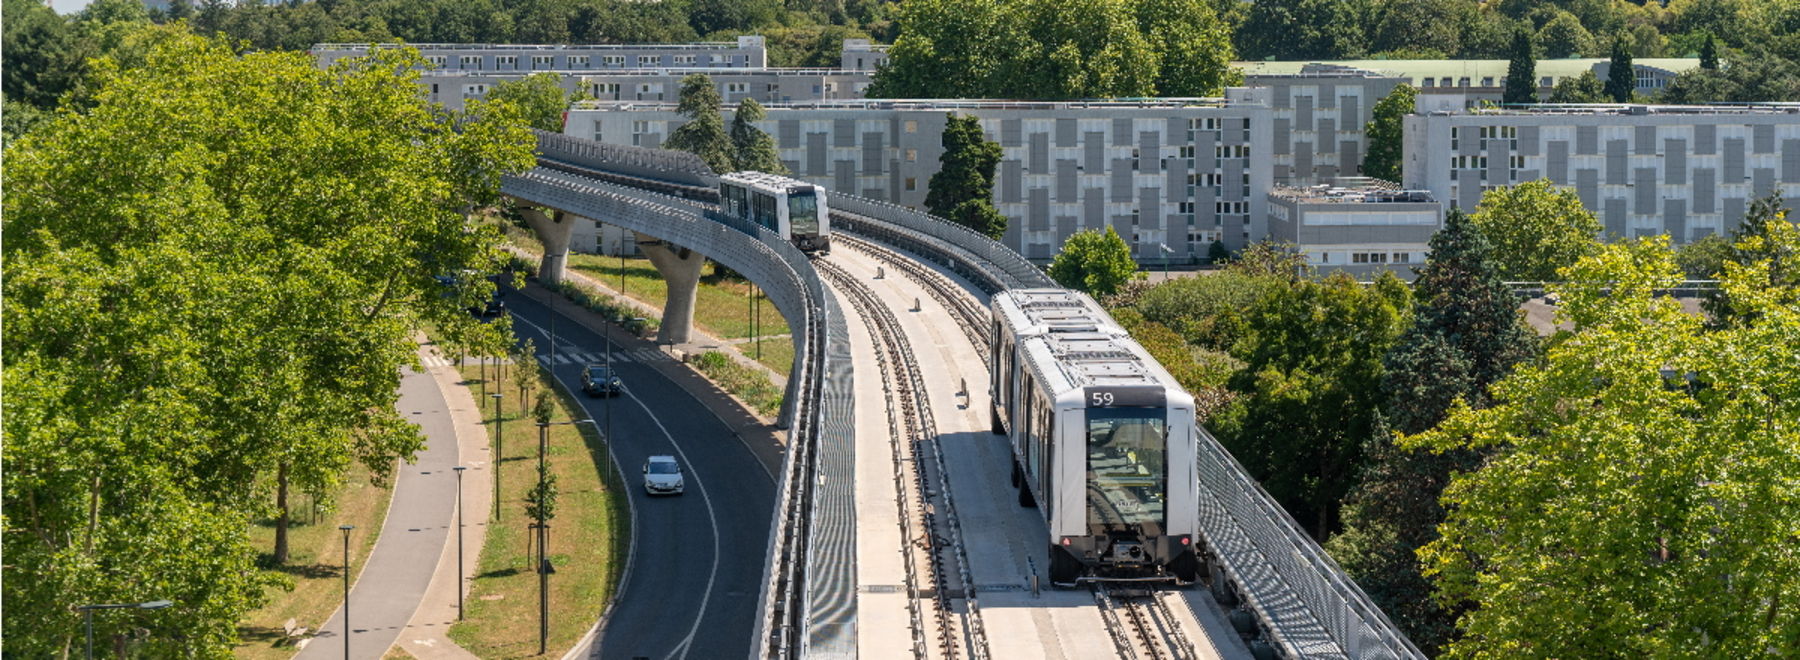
(697, 558)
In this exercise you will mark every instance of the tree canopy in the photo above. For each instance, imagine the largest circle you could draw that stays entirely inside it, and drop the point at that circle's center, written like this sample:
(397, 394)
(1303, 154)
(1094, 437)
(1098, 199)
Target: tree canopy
(1385, 133)
(1466, 334)
(752, 149)
(1521, 72)
(1093, 261)
(1536, 229)
(962, 190)
(204, 283)
(704, 133)
(1045, 49)
(1639, 499)
(540, 97)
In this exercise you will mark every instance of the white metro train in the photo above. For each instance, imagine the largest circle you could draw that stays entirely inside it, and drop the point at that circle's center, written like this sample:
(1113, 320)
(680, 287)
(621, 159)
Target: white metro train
(792, 208)
(1102, 439)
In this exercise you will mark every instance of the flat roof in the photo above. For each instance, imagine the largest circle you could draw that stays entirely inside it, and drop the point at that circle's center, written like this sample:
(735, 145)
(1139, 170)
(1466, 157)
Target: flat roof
(932, 104)
(1626, 109)
(1352, 195)
(1459, 68)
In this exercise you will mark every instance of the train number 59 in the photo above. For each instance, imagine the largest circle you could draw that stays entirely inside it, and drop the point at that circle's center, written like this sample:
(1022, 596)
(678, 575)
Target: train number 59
(1100, 399)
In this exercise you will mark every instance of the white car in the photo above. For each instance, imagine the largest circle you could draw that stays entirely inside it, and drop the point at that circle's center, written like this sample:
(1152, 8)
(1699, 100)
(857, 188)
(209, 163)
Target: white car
(662, 476)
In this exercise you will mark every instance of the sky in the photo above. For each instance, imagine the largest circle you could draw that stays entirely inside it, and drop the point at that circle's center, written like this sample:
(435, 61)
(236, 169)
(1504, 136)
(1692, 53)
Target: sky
(68, 6)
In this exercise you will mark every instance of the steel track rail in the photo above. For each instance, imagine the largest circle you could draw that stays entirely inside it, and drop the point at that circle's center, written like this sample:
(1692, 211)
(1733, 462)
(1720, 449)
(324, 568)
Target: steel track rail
(969, 315)
(923, 435)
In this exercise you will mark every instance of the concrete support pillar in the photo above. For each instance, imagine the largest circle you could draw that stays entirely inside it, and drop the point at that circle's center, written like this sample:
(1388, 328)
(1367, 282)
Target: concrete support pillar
(680, 268)
(553, 230)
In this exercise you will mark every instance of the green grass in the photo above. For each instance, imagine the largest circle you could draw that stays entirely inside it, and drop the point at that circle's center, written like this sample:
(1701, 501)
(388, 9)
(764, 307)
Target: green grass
(751, 385)
(589, 536)
(315, 561)
(721, 306)
(777, 353)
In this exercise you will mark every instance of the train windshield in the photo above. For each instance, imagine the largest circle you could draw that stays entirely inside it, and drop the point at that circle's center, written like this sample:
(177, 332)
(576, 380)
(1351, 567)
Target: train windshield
(803, 212)
(1127, 478)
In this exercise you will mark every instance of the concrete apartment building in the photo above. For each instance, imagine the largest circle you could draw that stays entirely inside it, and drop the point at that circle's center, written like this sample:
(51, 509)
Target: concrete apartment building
(1318, 113)
(1475, 81)
(1686, 171)
(1360, 226)
(748, 52)
(454, 88)
(1174, 172)
(861, 55)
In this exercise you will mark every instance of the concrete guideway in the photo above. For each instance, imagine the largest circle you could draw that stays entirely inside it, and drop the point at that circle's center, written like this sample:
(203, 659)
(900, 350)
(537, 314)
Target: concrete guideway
(1005, 541)
(397, 598)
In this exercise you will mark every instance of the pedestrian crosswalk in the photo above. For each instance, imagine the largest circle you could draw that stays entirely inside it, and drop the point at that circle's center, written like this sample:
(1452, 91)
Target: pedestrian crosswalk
(429, 360)
(577, 357)
(432, 360)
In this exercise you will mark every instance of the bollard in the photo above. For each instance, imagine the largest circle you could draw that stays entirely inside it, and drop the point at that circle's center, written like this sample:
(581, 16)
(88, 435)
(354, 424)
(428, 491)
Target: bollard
(916, 306)
(965, 387)
(880, 272)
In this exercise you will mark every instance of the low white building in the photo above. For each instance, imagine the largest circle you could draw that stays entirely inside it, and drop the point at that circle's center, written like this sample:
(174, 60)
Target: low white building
(1360, 226)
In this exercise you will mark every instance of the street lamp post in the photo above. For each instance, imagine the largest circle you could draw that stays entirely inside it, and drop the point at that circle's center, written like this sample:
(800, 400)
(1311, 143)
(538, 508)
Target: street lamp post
(543, 537)
(459, 543)
(499, 452)
(346, 530)
(87, 614)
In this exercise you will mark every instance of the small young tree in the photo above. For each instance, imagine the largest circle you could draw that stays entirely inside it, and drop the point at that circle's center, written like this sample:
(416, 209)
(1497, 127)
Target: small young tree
(1217, 253)
(704, 133)
(1095, 262)
(962, 190)
(1385, 133)
(1521, 73)
(1621, 78)
(752, 149)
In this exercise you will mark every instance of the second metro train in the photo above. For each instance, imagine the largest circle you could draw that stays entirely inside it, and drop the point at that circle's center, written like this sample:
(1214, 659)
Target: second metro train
(792, 208)
(1102, 438)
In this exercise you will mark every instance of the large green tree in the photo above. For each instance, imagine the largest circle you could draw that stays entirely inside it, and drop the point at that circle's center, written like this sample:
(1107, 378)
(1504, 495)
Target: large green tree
(1535, 229)
(1640, 498)
(1051, 49)
(1313, 364)
(1096, 262)
(752, 149)
(1521, 72)
(540, 97)
(209, 286)
(1563, 36)
(1385, 132)
(1303, 29)
(962, 190)
(704, 133)
(1752, 242)
(1466, 334)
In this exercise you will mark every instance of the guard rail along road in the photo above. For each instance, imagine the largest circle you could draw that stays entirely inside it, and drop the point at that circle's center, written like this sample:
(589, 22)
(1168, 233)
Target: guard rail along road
(1301, 602)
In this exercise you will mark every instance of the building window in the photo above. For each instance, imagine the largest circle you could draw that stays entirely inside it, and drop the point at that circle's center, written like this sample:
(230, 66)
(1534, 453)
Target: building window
(543, 61)
(470, 61)
(474, 90)
(1402, 257)
(912, 155)
(912, 183)
(1462, 82)
(684, 60)
(649, 60)
(502, 61)
(1428, 82)
(736, 88)
(1546, 81)
(912, 126)
(437, 61)
(597, 132)
(1487, 81)
(1185, 208)
(638, 129)
(612, 60)
(434, 89)
(578, 60)
(1186, 151)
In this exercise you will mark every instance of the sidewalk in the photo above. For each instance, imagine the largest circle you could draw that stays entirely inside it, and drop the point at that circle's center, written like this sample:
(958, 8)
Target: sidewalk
(427, 635)
(397, 597)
